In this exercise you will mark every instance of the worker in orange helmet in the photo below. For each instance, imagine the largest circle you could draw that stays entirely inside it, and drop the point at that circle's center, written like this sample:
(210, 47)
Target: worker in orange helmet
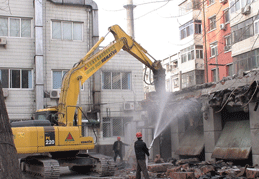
(117, 148)
(141, 151)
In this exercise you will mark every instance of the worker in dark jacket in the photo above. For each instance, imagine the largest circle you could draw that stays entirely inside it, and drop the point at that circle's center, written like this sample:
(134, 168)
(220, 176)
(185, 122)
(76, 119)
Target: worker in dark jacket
(141, 151)
(117, 148)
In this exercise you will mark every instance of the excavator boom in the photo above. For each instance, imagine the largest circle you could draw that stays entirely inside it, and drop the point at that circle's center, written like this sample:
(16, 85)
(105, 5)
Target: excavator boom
(88, 65)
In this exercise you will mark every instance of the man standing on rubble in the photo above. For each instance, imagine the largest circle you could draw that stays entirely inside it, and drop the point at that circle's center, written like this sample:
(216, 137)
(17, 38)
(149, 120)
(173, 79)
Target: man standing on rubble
(117, 148)
(141, 151)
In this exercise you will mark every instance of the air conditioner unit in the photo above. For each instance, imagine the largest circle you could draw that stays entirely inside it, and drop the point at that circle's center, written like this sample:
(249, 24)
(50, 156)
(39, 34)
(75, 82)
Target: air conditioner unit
(5, 92)
(3, 41)
(128, 106)
(223, 26)
(223, 1)
(55, 93)
(246, 10)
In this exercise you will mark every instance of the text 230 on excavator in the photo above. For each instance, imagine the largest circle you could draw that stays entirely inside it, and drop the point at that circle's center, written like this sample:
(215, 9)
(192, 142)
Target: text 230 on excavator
(54, 130)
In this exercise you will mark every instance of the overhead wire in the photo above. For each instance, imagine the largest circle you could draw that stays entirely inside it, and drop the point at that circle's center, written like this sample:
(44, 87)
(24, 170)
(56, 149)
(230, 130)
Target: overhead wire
(152, 10)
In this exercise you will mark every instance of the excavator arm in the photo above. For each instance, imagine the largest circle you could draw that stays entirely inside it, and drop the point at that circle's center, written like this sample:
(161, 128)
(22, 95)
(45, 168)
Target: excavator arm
(88, 65)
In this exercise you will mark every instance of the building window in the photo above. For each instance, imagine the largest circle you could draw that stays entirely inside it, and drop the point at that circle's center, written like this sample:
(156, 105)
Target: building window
(176, 82)
(16, 78)
(116, 80)
(15, 27)
(212, 22)
(213, 75)
(57, 78)
(242, 30)
(186, 30)
(226, 15)
(114, 126)
(199, 76)
(211, 2)
(246, 61)
(232, 6)
(199, 54)
(187, 54)
(213, 49)
(236, 5)
(188, 79)
(227, 43)
(198, 29)
(65, 30)
(256, 27)
(230, 70)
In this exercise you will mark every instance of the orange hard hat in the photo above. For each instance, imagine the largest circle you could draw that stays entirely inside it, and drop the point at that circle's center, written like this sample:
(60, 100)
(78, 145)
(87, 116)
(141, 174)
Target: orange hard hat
(118, 138)
(138, 135)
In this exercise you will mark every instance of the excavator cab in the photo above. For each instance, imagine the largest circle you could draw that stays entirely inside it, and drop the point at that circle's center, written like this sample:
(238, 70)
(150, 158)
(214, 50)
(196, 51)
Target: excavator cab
(49, 114)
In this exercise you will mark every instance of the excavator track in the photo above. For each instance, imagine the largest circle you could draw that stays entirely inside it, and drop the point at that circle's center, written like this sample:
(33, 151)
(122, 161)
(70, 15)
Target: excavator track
(105, 165)
(41, 167)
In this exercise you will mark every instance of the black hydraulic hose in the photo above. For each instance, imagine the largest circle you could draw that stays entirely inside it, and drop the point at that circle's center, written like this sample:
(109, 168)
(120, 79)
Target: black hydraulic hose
(92, 125)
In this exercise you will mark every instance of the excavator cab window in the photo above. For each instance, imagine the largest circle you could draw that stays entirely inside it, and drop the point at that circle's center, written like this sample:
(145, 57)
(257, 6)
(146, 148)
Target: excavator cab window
(47, 115)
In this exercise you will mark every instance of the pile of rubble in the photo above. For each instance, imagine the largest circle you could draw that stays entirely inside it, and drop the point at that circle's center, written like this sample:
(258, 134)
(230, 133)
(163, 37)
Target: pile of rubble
(192, 168)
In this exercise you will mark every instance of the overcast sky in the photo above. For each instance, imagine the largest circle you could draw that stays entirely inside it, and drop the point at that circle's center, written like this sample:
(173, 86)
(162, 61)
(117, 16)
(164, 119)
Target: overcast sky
(155, 29)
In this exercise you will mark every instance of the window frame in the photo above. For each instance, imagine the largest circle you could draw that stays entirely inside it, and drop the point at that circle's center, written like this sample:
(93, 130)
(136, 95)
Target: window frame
(20, 26)
(214, 74)
(121, 80)
(211, 2)
(62, 30)
(214, 22)
(227, 70)
(226, 14)
(226, 44)
(63, 72)
(256, 22)
(9, 81)
(111, 126)
(213, 45)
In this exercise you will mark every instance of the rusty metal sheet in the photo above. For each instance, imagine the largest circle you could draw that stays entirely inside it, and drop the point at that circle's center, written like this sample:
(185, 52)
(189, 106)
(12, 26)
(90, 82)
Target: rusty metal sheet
(234, 141)
(192, 142)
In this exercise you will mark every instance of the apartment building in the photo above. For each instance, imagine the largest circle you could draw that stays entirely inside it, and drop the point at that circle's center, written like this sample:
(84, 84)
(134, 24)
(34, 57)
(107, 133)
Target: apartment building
(217, 40)
(244, 27)
(173, 81)
(191, 65)
(41, 41)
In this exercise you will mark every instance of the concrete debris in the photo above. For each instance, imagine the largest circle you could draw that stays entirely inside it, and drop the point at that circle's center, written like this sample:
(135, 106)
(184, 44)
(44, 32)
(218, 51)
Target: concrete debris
(192, 168)
(158, 159)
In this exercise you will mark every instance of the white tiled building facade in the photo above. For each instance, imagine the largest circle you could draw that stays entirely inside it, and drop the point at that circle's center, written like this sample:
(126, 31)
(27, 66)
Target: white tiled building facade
(41, 40)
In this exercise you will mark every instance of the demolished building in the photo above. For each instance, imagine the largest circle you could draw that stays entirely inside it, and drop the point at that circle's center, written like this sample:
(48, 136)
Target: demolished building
(213, 121)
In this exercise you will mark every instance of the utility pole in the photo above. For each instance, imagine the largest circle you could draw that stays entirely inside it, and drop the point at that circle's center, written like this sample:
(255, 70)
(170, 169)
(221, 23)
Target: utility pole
(9, 164)
(205, 45)
(217, 66)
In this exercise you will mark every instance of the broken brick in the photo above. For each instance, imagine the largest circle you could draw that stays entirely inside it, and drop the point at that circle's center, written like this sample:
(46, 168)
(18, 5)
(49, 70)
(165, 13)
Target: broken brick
(207, 168)
(252, 172)
(183, 175)
(156, 168)
(197, 173)
(170, 171)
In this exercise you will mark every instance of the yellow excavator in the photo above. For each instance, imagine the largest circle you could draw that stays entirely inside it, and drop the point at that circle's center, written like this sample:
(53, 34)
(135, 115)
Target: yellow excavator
(55, 137)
